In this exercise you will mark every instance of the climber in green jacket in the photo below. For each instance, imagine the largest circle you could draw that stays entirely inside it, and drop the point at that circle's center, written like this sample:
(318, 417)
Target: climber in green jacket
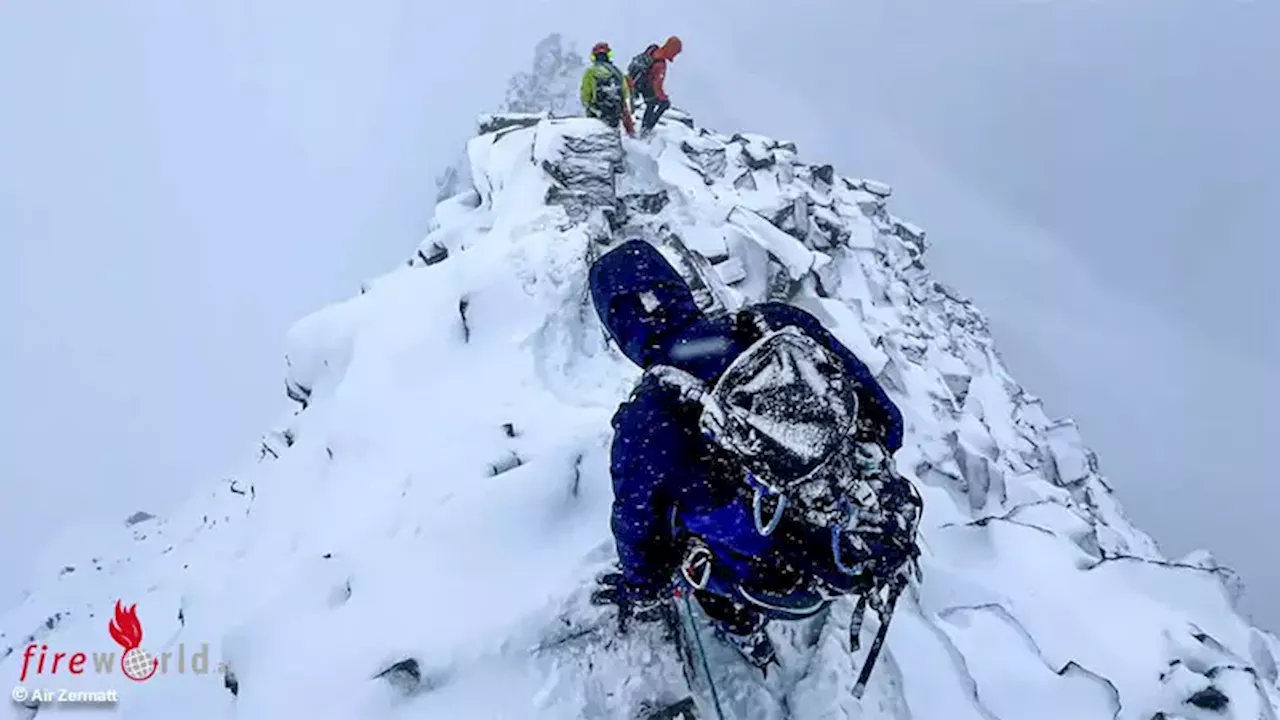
(604, 91)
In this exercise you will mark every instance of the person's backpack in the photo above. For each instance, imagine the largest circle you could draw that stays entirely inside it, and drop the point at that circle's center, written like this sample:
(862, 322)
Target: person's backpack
(786, 412)
(608, 96)
(638, 70)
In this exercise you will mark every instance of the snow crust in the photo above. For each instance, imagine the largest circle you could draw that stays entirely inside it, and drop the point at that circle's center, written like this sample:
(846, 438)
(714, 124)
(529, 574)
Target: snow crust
(420, 539)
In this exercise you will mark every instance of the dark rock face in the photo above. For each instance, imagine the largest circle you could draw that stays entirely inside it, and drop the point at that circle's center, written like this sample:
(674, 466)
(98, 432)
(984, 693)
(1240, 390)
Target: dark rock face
(711, 160)
(407, 677)
(433, 254)
(647, 203)
(1210, 698)
(494, 123)
(584, 167)
(140, 516)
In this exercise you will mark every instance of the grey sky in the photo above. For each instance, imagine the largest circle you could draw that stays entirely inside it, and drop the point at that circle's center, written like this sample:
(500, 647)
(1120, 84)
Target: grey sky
(1100, 178)
(179, 182)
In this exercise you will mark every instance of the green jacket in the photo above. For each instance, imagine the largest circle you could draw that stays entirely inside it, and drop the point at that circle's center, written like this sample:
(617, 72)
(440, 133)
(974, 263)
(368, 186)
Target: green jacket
(599, 71)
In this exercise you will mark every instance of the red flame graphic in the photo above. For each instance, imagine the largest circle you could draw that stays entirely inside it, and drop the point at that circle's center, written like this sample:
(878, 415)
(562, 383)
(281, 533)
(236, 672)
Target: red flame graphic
(125, 628)
(127, 631)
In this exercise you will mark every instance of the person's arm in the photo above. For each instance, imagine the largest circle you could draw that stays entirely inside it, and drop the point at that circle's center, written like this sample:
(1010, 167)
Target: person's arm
(658, 74)
(587, 91)
(873, 401)
(644, 462)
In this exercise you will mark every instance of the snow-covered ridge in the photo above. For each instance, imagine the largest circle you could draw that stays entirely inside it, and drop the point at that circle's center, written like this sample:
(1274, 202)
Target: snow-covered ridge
(419, 540)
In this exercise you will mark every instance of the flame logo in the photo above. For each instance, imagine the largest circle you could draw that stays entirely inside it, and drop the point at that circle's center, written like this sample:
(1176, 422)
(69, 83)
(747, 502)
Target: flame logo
(126, 630)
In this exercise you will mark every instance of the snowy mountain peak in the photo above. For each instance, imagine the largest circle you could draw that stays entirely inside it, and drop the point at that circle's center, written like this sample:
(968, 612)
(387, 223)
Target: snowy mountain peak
(420, 540)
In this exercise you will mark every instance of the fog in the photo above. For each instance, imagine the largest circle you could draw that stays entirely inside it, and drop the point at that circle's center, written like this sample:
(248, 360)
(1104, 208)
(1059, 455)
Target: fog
(179, 183)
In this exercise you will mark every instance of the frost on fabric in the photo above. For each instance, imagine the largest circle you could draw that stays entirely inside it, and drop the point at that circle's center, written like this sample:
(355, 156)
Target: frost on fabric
(782, 403)
(408, 548)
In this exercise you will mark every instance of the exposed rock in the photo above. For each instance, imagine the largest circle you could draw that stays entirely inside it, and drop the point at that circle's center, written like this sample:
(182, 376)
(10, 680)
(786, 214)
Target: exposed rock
(1210, 698)
(140, 516)
(582, 157)
(757, 156)
(298, 393)
(711, 160)
(732, 271)
(506, 463)
(876, 188)
(551, 84)
(679, 116)
(648, 203)
(490, 123)
(800, 217)
(433, 253)
(1072, 462)
(407, 677)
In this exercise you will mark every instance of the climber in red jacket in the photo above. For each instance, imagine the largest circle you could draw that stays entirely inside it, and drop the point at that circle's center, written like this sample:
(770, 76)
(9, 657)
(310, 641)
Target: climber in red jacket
(646, 74)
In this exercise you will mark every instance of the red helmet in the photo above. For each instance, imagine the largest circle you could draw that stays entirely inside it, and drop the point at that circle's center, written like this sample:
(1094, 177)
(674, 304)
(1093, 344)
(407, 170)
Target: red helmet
(601, 48)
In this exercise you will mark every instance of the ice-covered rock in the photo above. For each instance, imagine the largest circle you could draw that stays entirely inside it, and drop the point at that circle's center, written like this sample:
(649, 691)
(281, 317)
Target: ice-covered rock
(582, 157)
(550, 86)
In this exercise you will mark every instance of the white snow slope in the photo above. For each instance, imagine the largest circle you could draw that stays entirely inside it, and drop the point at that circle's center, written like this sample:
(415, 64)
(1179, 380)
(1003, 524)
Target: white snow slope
(443, 496)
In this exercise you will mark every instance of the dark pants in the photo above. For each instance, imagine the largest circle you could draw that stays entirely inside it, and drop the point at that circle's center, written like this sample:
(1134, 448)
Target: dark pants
(610, 115)
(732, 616)
(653, 109)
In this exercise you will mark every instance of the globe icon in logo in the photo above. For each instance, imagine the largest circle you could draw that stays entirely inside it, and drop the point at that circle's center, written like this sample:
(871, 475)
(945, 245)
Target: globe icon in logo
(137, 664)
(126, 630)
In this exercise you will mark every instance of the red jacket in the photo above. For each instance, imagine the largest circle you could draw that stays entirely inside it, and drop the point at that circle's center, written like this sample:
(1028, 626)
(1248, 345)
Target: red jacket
(658, 71)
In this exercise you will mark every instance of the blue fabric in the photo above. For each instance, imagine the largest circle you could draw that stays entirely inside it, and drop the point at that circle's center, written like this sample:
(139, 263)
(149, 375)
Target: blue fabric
(659, 457)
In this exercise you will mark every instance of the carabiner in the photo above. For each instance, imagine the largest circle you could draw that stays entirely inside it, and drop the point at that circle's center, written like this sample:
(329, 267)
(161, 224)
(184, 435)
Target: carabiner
(846, 512)
(757, 512)
(698, 555)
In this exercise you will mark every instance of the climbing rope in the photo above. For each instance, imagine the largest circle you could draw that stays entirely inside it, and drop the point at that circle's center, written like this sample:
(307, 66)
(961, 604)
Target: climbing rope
(702, 656)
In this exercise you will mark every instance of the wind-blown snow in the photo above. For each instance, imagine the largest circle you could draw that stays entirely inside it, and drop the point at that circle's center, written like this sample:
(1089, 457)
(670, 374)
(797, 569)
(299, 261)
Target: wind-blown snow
(420, 539)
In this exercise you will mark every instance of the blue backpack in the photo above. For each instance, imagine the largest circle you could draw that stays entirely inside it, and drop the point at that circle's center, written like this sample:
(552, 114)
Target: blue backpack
(786, 413)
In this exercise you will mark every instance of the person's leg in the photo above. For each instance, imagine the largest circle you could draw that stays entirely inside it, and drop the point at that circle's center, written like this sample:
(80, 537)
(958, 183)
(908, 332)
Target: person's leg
(650, 113)
(731, 616)
(740, 625)
(614, 117)
(659, 108)
(653, 110)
